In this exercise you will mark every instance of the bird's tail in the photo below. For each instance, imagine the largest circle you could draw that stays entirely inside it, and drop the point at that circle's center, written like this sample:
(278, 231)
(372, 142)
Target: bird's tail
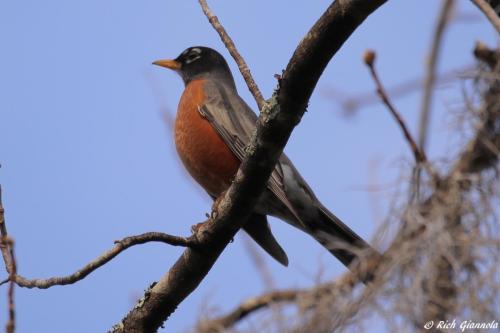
(338, 238)
(258, 228)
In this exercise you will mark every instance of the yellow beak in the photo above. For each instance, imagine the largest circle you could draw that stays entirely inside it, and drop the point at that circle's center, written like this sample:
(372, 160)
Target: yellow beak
(167, 63)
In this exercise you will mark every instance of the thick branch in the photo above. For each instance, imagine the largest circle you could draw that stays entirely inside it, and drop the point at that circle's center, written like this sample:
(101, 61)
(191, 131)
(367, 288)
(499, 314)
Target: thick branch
(274, 126)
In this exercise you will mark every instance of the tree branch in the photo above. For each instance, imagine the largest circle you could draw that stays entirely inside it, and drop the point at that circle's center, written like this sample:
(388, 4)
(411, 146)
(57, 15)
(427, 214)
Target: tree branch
(430, 72)
(418, 153)
(7, 247)
(429, 84)
(11, 323)
(107, 256)
(228, 42)
(489, 12)
(274, 126)
(4, 246)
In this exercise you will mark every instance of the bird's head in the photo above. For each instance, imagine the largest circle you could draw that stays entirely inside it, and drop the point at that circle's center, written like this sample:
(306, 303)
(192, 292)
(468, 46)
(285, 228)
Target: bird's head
(197, 62)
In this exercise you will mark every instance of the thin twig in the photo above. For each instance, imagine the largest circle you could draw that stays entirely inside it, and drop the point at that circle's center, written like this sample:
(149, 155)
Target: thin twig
(4, 234)
(369, 59)
(489, 12)
(430, 72)
(11, 323)
(120, 246)
(7, 245)
(228, 42)
(429, 84)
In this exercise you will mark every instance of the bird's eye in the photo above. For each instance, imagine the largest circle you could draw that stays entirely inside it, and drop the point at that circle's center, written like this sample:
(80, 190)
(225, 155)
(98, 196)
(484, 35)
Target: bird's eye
(193, 55)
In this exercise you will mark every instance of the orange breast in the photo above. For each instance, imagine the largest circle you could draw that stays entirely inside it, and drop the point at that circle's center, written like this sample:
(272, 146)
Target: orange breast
(202, 151)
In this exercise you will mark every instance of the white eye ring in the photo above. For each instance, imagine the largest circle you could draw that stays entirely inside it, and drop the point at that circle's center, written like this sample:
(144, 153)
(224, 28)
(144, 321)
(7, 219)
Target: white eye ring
(192, 57)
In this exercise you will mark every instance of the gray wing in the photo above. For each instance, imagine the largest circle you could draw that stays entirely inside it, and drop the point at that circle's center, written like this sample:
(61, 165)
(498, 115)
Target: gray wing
(235, 122)
(292, 199)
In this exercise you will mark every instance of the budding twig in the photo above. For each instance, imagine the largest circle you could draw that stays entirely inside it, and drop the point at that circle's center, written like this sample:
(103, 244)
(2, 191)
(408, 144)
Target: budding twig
(369, 59)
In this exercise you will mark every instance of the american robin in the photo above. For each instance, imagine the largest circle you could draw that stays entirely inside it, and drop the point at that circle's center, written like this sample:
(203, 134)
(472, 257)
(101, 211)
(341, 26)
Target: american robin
(212, 127)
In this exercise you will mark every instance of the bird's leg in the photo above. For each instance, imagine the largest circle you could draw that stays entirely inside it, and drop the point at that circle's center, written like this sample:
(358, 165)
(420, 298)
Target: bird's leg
(199, 230)
(215, 205)
(198, 227)
(195, 228)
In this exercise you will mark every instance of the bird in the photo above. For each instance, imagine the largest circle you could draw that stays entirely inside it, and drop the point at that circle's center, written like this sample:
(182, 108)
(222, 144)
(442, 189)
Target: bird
(213, 125)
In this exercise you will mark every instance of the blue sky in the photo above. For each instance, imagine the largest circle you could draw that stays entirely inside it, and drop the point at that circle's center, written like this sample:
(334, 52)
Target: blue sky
(87, 159)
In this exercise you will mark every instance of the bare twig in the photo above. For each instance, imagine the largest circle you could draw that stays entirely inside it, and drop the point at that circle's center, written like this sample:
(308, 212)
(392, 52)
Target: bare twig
(6, 254)
(369, 59)
(489, 12)
(120, 246)
(7, 245)
(11, 323)
(274, 126)
(429, 84)
(430, 72)
(228, 42)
